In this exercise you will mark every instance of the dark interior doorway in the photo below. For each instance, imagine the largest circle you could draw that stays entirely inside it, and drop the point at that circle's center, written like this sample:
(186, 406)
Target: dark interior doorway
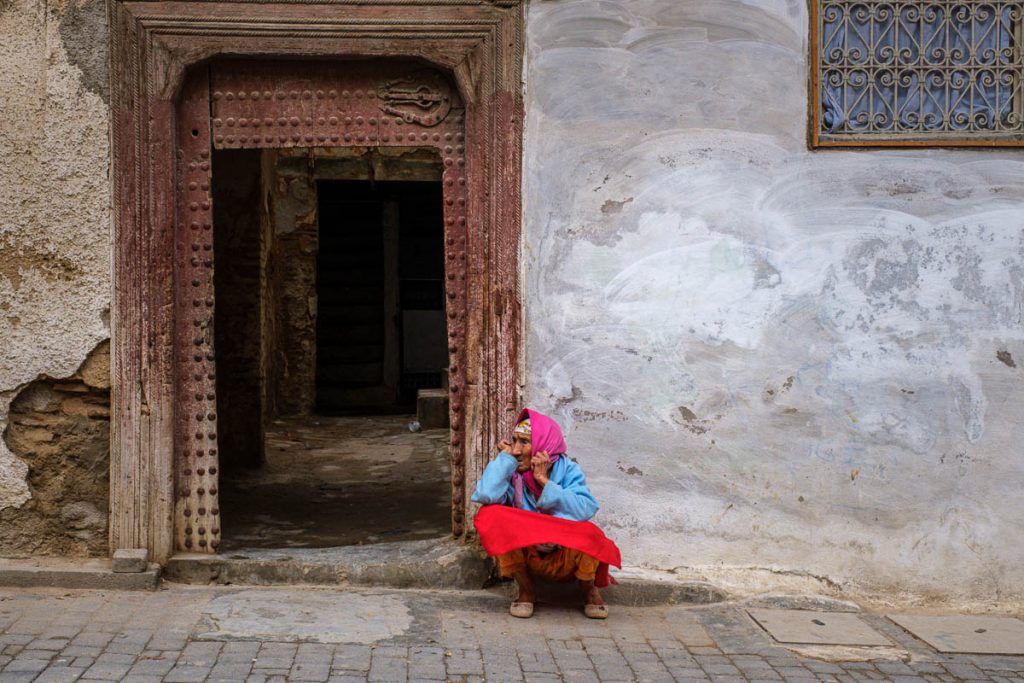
(330, 316)
(380, 295)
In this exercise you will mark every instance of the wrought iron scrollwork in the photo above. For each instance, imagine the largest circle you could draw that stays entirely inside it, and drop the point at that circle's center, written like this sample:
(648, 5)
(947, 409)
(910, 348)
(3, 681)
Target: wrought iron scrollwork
(922, 70)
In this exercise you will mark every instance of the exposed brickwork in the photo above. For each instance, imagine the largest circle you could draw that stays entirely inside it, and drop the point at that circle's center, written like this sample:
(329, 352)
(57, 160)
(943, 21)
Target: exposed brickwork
(61, 429)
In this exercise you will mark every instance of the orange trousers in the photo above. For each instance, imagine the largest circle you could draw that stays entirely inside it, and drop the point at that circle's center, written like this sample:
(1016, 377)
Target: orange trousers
(563, 564)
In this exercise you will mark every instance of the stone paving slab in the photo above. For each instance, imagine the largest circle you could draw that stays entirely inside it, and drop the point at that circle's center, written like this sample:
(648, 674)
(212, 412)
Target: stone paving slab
(290, 616)
(817, 628)
(966, 633)
(266, 635)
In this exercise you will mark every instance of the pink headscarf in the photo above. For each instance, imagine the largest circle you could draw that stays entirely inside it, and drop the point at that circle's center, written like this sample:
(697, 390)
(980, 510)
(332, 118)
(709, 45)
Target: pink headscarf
(545, 435)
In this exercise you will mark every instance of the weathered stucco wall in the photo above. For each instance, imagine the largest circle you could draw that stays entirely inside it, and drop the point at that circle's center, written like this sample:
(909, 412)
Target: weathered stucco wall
(54, 204)
(768, 359)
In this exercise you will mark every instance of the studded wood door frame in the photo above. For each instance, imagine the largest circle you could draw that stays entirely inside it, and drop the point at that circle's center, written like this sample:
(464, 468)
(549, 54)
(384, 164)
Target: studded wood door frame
(179, 90)
(275, 104)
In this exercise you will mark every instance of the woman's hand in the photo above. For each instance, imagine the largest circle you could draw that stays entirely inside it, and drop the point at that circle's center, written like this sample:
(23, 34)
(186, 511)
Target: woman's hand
(541, 463)
(504, 446)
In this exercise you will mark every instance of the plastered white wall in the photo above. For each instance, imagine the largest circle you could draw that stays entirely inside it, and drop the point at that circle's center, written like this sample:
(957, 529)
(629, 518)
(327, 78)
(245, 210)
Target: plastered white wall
(765, 357)
(54, 202)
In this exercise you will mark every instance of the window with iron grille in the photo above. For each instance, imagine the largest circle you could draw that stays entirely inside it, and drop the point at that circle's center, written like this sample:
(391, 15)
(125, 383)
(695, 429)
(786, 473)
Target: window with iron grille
(912, 73)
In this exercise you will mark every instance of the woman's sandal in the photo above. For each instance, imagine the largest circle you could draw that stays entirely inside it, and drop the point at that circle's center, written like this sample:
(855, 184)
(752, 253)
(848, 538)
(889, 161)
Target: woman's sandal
(522, 610)
(595, 611)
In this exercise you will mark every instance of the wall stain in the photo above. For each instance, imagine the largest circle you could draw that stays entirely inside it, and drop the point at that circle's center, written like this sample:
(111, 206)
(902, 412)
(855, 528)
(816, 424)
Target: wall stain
(766, 275)
(692, 423)
(771, 391)
(631, 470)
(613, 207)
(16, 259)
(562, 401)
(594, 415)
(1006, 359)
(85, 31)
(883, 268)
(960, 459)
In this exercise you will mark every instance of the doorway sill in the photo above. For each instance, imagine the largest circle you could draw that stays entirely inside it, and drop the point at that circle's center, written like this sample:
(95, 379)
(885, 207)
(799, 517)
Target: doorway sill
(432, 563)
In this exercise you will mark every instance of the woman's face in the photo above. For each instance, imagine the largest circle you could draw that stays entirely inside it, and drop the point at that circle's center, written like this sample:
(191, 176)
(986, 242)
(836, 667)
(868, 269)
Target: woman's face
(522, 450)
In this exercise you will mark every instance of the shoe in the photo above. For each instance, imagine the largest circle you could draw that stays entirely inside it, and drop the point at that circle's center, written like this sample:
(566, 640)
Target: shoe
(522, 610)
(596, 611)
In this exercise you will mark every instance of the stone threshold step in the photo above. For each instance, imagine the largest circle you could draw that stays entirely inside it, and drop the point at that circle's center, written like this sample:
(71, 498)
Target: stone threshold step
(433, 563)
(59, 572)
(441, 564)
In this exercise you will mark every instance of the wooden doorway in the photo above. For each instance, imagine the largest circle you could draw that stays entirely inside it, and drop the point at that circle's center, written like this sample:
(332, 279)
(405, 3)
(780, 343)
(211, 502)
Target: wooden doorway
(174, 101)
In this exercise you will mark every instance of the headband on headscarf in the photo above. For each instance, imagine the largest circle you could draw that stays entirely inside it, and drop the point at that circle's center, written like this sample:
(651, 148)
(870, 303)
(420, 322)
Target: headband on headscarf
(545, 435)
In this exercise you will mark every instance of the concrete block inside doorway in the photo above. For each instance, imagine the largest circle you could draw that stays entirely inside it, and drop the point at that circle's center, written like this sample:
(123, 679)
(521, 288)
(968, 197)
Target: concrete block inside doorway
(432, 408)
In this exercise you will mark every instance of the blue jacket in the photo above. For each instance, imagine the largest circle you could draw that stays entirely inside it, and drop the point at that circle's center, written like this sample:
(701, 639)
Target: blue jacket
(565, 495)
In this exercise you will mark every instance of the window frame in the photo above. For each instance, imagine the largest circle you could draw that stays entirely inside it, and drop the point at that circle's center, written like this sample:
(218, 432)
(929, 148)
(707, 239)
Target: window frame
(819, 140)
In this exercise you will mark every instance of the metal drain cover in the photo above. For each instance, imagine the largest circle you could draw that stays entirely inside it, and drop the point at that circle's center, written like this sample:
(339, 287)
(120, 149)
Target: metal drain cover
(963, 634)
(804, 627)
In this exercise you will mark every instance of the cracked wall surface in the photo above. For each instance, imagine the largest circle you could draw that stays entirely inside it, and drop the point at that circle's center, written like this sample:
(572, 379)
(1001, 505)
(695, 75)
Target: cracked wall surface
(54, 201)
(768, 357)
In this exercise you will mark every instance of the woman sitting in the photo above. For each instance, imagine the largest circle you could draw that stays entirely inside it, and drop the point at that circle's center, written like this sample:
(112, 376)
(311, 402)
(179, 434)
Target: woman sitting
(532, 472)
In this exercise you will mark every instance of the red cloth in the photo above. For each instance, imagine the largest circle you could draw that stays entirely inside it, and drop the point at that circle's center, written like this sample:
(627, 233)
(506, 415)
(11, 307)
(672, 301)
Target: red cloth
(502, 529)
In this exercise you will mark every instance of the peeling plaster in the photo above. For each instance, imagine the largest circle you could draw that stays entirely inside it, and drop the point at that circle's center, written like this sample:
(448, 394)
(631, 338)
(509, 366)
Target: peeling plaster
(85, 35)
(14, 491)
(54, 210)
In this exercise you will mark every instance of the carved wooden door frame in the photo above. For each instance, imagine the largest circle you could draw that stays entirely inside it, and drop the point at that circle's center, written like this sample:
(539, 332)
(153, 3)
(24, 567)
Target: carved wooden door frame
(161, 269)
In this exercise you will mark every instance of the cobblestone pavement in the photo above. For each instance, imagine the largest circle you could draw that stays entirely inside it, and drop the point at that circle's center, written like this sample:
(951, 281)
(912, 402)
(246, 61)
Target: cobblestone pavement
(182, 634)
